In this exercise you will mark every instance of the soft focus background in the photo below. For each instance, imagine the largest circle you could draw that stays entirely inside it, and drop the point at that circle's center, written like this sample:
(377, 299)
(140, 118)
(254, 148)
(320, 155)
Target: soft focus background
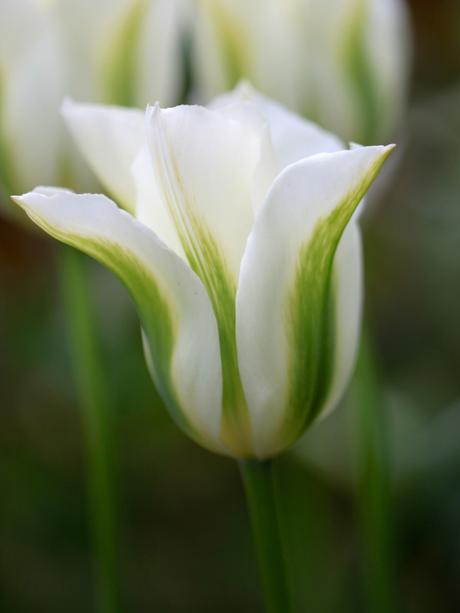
(184, 535)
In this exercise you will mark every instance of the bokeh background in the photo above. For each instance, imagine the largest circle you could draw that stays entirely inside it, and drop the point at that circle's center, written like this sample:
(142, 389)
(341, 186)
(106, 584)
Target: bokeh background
(184, 536)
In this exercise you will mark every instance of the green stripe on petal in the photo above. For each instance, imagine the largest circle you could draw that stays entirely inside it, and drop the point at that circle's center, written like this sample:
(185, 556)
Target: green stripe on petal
(286, 302)
(311, 322)
(174, 309)
(310, 314)
(209, 264)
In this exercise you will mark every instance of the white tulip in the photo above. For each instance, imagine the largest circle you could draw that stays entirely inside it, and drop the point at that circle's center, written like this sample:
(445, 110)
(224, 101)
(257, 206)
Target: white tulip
(125, 52)
(342, 63)
(244, 261)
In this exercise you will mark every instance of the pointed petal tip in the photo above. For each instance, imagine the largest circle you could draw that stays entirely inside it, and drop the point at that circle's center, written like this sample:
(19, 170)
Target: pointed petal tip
(17, 199)
(23, 201)
(153, 108)
(389, 147)
(386, 151)
(245, 88)
(152, 113)
(379, 153)
(352, 146)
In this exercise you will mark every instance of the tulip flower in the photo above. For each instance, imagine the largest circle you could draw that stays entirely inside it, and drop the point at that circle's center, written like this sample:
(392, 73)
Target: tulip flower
(343, 63)
(240, 249)
(110, 51)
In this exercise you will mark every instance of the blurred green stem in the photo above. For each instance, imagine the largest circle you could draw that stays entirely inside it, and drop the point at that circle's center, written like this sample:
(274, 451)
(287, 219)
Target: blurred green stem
(373, 475)
(94, 399)
(258, 480)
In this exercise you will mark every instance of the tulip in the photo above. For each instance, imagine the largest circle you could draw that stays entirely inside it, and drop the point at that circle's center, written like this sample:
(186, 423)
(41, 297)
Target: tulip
(241, 251)
(343, 63)
(111, 51)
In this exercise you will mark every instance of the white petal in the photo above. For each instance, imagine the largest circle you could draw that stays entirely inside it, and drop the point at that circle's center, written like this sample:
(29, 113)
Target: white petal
(204, 163)
(174, 308)
(109, 138)
(296, 233)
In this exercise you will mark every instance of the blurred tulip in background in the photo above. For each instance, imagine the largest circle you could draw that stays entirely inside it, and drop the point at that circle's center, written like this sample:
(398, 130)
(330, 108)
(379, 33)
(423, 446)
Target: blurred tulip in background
(341, 63)
(112, 51)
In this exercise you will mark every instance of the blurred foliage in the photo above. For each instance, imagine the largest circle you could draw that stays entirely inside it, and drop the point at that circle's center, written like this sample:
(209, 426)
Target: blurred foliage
(186, 545)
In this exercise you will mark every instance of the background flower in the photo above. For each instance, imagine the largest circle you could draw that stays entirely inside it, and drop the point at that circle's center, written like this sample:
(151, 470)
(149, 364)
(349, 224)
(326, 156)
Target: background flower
(115, 51)
(342, 63)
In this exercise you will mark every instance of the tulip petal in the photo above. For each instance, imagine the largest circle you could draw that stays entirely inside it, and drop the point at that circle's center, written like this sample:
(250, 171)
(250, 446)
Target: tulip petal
(286, 299)
(204, 163)
(174, 309)
(109, 138)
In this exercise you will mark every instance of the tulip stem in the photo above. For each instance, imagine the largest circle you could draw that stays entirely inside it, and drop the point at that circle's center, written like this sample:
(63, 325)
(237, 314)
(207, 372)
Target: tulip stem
(93, 395)
(258, 480)
(373, 478)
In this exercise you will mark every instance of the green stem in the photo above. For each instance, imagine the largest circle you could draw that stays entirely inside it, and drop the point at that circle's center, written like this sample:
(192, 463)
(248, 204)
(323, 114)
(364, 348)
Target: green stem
(373, 474)
(259, 487)
(93, 396)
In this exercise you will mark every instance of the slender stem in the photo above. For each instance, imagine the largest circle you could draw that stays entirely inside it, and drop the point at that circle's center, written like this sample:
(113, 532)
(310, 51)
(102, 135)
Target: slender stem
(260, 495)
(374, 495)
(93, 394)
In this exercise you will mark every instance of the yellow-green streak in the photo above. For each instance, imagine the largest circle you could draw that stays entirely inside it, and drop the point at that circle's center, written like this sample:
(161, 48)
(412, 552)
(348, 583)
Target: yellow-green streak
(209, 264)
(310, 315)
